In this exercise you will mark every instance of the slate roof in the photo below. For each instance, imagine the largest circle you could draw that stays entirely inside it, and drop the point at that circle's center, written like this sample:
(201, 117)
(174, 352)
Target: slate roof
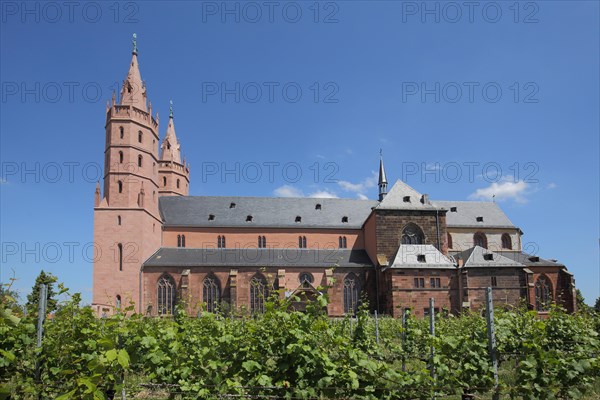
(476, 257)
(394, 200)
(531, 261)
(408, 257)
(276, 212)
(467, 212)
(189, 257)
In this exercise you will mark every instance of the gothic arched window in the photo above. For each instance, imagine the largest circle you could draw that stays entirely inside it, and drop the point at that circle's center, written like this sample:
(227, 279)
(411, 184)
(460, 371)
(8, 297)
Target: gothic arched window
(121, 157)
(221, 242)
(412, 234)
(449, 236)
(118, 302)
(262, 242)
(120, 256)
(140, 136)
(166, 295)
(351, 294)
(506, 241)
(211, 293)
(259, 291)
(302, 242)
(182, 240)
(178, 240)
(543, 293)
(121, 132)
(164, 181)
(118, 219)
(479, 239)
(120, 185)
(139, 161)
(305, 279)
(177, 183)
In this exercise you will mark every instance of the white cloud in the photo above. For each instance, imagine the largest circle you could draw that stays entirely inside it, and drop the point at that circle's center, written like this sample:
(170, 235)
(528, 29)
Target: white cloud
(323, 194)
(291, 191)
(288, 191)
(362, 196)
(361, 187)
(551, 185)
(503, 191)
(3, 181)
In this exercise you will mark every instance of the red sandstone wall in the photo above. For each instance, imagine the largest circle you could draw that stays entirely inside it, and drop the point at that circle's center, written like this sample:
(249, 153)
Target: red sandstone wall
(276, 238)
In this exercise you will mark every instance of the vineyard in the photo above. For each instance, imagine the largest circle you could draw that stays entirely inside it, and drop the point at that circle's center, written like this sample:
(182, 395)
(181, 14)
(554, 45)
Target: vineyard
(293, 355)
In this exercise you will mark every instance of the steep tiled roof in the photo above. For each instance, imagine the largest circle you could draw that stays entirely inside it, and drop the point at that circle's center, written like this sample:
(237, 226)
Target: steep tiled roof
(189, 257)
(467, 212)
(479, 257)
(420, 256)
(403, 197)
(532, 261)
(195, 211)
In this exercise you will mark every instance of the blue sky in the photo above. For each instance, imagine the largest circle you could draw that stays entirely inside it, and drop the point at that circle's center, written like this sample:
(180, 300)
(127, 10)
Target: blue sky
(465, 103)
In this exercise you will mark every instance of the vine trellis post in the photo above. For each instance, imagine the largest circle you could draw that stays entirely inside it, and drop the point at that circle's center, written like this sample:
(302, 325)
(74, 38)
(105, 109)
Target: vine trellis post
(432, 333)
(492, 348)
(40, 324)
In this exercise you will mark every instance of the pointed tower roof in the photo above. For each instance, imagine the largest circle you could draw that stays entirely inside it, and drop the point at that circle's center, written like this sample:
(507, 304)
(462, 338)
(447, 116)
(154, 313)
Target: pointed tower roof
(170, 148)
(382, 177)
(403, 197)
(133, 91)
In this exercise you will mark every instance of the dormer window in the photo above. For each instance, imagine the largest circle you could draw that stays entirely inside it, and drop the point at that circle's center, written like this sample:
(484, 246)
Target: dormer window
(211, 217)
(298, 219)
(488, 257)
(249, 218)
(452, 209)
(534, 259)
(406, 199)
(479, 219)
(421, 258)
(345, 219)
(232, 205)
(317, 206)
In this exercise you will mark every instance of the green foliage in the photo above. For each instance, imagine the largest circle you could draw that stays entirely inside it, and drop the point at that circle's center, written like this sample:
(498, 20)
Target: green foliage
(580, 301)
(295, 355)
(33, 298)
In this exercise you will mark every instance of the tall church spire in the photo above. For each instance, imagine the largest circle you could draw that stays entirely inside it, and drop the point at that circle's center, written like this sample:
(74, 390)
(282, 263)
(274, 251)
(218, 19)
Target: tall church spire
(382, 178)
(170, 149)
(133, 91)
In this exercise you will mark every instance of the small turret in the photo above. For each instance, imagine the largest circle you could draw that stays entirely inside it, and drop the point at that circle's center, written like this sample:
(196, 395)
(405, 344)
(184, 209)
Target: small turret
(174, 177)
(97, 195)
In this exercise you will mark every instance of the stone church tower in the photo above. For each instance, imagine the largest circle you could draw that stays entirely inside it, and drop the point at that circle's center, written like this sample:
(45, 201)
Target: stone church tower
(174, 176)
(127, 223)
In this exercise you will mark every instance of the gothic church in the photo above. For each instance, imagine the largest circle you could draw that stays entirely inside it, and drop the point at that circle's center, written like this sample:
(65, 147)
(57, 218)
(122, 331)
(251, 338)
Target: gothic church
(159, 246)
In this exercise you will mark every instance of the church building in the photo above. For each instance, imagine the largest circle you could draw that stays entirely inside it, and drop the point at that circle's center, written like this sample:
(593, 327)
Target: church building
(157, 245)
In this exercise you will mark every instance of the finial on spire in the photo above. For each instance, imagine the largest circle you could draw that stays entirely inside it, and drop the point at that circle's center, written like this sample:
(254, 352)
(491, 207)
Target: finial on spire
(170, 108)
(134, 41)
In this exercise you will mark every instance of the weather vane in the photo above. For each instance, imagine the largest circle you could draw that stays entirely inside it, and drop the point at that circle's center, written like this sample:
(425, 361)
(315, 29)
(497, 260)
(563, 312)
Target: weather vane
(134, 41)
(171, 108)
